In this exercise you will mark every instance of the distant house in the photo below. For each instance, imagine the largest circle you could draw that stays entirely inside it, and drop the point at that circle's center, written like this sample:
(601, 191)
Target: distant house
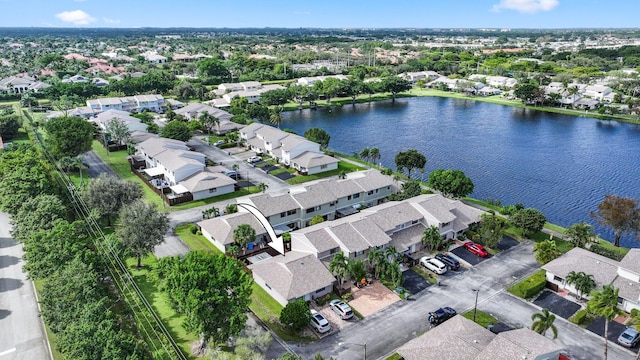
(20, 84)
(495, 81)
(100, 82)
(427, 76)
(133, 124)
(136, 103)
(76, 79)
(193, 111)
(309, 81)
(153, 57)
(623, 275)
(219, 230)
(250, 90)
(598, 92)
(460, 338)
(205, 184)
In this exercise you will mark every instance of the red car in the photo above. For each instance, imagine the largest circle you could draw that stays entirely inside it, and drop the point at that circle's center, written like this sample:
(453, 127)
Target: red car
(476, 249)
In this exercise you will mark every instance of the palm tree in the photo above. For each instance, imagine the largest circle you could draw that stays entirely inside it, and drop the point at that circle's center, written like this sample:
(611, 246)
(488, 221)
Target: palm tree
(543, 321)
(580, 234)
(244, 234)
(431, 239)
(365, 154)
(339, 266)
(208, 121)
(78, 162)
(374, 154)
(263, 187)
(392, 254)
(378, 261)
(276, 118)
(583, 282)
(342, 175)
(604, 303)
(573, 91)
(546, 251)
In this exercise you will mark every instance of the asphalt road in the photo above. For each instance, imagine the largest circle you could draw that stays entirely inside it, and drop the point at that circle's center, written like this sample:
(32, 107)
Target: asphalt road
(21, 332)
(96, 166)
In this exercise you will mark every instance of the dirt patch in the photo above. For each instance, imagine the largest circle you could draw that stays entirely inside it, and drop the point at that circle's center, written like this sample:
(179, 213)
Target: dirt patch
(373, 298)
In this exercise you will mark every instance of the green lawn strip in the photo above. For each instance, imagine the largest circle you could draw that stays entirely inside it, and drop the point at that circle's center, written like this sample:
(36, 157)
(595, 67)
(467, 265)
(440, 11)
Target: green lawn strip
(211, 200)
(482, 318)
(195, 241)
(530, 286)
(117, 161)
(395, 356)
(146, 281)
(53, 339)
(342, 166)
(428, 275)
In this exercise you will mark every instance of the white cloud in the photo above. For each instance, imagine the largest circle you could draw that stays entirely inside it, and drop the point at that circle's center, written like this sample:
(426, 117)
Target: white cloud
(111, 21)
(526, 6)
(76, 17)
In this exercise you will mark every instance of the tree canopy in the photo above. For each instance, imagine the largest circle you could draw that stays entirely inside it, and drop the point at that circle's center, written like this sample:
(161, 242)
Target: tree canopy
(395, 85)
(410, 160)
(177, 130)
(621, 214)
(108, 195)
(296, 315)
(141, 227)
(68, 136)
(211, 290)
(529, 220)
(318, 136)
(451, 183)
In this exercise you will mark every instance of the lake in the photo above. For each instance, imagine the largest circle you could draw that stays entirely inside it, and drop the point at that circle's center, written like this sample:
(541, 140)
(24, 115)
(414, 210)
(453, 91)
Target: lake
(561, 165)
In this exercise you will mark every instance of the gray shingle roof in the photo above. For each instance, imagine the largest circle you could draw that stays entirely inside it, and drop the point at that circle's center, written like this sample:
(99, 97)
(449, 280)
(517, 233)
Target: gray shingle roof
(294, 275)
(371, 233)
(389, 215)
(520, 343)
(631, 261)
(371, 180)
(604, 270)
(309, 159)
(221, 228)
(313, 195)
(271, 205)
(205, 180)
(349, 237)
(628, 289)
(319, 238)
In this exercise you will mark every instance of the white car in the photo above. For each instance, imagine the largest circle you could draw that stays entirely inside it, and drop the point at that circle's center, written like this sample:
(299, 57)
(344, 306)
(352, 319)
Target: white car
(219, 142)
(319, 322)
(341, 308)
(433, 264)
(254, 159)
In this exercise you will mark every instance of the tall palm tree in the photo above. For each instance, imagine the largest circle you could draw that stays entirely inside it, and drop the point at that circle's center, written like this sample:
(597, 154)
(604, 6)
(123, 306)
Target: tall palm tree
(208, 121)
(573, 91)
(263, 187)
(583, 282)
(378, 261)
(580, 233)
(374, 154)
(365, 154)
(276, 118)
(543, 321)
(392, 255)
(78, 162)
(604, 303)
(339, 266)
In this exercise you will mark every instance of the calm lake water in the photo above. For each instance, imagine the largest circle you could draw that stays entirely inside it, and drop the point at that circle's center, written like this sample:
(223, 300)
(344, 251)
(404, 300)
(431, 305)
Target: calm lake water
(561, 165)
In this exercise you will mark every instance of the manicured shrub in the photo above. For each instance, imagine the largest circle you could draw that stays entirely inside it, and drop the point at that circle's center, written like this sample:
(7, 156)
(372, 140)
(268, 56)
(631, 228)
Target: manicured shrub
(530, 286)
(606, 252)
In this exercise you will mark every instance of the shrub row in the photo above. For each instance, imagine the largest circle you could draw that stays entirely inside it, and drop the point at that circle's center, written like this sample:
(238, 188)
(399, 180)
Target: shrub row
(530, 286)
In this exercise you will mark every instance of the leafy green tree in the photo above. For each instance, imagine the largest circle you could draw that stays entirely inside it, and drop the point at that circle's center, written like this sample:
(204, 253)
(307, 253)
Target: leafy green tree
(107, 195)
(276, 97)
(212, 68)
(118, 130)
(580, 234)
(37, 213)
(318, 136)
(582, 282)
(244, 234)
(141, 227)
(378, 261)
(410, 160)
(177, 130)
(67, 291)
(604, 303)
(47, 251)
(451, 183)
(22, 184)
(258, 112)
(526, 93)
(543, 321)
(339, 266)
(395, 85)
(491, 229)
(212, 291)
(296, 315)
(231, 208)
(621, 214)
(356, 269)
(546, 251)
(330, 88)
(529, 220)
(68, 136)
(431, 239)
(9, 126)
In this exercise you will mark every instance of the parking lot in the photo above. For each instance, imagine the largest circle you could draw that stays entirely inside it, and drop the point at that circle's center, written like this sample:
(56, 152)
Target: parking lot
(414, 282)
(507, 243)
(557, 304)
(467, 256)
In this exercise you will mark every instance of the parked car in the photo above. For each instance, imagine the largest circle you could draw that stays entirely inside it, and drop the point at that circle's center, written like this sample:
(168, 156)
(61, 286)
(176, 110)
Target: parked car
(476, 249)
(254, 159)
(629, 337)
(219, 142)
(433, 264)
(319, 322)
(341, 308)
(441, 315)
(232, 174)
(449, 260)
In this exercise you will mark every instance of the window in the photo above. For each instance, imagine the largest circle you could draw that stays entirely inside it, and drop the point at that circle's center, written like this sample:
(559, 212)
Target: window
(333, 251)
(355, 196)
(557, 278)
(333, 203)
(292, 212)
(310, 210)
(213, 190)
(283, 214)
(323, 166)
(370, 192)
(360, 253)
(349, 197)
(319, 291)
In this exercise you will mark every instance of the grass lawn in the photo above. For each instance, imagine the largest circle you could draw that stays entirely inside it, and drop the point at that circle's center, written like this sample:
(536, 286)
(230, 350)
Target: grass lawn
(482, 318)
(342, 166)
(117, 161)
(235, 194)
(395, 356)
(148, 284)
(194, 241)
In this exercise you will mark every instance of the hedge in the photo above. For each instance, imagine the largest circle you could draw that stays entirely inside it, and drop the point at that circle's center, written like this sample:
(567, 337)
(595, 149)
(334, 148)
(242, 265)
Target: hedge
(530, 286)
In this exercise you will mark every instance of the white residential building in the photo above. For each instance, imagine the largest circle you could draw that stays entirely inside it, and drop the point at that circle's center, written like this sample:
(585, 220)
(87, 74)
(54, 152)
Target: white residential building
(136, 103)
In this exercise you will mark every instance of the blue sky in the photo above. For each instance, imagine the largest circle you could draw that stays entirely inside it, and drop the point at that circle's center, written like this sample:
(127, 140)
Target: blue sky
(322, 13)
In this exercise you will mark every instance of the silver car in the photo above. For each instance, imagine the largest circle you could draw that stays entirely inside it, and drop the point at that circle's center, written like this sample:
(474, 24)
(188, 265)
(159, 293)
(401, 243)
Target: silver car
(319, 322)
(341, 308)
(629, 337)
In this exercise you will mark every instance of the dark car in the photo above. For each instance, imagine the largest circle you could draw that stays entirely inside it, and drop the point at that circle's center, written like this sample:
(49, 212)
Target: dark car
(441, 315)
(451, 263)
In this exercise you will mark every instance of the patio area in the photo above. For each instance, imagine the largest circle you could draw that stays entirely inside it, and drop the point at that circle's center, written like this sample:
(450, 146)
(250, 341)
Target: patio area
(372, 298)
